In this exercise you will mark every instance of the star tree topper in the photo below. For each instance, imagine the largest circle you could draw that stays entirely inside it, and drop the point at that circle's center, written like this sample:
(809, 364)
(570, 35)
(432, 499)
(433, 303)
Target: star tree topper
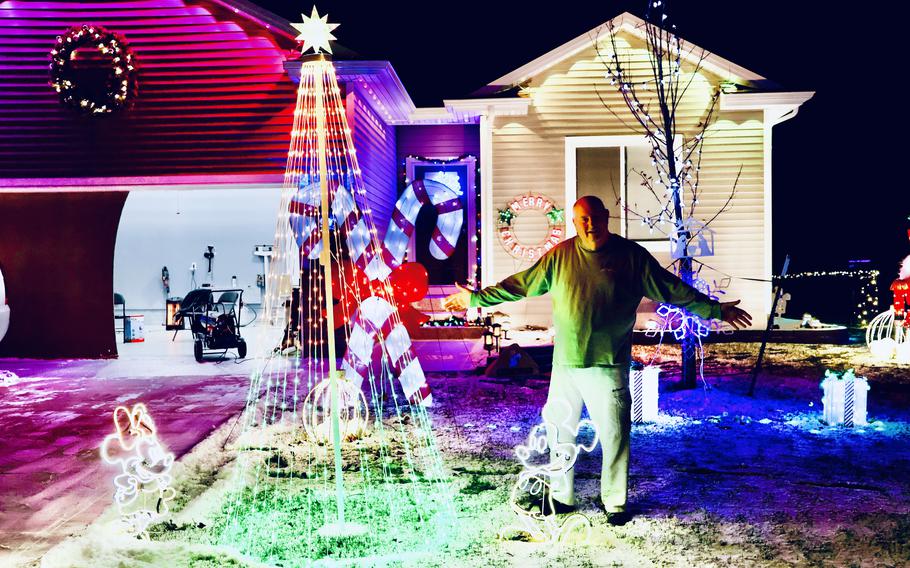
(315, 32)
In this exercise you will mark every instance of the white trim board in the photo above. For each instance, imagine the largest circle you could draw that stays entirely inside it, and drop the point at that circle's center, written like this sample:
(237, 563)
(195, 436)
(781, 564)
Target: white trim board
(486, 199)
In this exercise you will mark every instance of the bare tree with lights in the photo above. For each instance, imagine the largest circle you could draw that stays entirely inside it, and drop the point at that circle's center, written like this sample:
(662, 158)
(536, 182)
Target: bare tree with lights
(653, 100)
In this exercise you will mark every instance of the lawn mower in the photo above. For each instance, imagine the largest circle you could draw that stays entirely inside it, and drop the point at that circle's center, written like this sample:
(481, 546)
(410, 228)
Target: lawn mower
(214, 324)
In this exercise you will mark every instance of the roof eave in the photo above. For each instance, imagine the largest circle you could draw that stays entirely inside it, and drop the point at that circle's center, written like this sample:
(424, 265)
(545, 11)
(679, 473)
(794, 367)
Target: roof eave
(777, 106)
(260, 15)
(382, 78)
(274, 23)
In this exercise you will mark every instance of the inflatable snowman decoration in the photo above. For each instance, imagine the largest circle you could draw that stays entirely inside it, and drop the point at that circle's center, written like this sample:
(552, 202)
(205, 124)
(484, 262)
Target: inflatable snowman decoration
(888, 334)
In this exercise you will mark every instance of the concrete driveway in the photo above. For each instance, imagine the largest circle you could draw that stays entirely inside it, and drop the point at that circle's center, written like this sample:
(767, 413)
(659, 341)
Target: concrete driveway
(54, 416)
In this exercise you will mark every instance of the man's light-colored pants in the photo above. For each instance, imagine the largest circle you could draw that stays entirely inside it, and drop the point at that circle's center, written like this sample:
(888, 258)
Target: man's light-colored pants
(604, 391)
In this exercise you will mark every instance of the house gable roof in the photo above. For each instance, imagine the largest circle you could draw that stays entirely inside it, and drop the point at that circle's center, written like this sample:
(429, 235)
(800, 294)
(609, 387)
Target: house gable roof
(624, 22)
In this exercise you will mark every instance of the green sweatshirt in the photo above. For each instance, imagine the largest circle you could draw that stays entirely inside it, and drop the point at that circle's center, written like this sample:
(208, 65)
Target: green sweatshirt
(595, 295)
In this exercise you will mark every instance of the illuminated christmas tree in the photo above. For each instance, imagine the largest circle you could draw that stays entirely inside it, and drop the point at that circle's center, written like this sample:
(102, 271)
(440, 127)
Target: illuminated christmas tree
(336, 459)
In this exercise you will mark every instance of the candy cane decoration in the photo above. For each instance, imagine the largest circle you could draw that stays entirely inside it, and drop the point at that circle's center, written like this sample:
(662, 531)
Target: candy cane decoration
(401, 225)
(373, 316)
(374, 322)
(304, 220)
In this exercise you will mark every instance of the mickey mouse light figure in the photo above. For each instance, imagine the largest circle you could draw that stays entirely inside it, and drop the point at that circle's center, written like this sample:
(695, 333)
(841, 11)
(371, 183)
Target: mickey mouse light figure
(536, 483)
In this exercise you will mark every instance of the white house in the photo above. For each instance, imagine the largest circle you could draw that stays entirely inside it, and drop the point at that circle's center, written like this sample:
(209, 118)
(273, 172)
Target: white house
(555, 138)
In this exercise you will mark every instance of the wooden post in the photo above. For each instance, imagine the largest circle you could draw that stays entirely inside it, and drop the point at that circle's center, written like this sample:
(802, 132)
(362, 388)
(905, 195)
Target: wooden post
(767, 334)
(325, 259)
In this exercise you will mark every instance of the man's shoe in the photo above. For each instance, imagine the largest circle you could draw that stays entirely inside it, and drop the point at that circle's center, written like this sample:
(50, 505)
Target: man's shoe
(558, 508)
(614, 518)
(618, 519)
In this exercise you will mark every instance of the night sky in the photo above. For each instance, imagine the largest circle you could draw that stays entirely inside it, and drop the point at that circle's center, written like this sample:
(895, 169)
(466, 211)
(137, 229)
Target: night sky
(839, 193)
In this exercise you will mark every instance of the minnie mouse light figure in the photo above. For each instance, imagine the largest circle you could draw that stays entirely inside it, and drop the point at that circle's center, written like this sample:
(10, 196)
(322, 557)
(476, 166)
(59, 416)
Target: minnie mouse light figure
(142, 489)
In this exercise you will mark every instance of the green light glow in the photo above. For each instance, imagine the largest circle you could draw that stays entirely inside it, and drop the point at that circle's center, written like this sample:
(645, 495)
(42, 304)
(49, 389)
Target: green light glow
(278, 526)
(286, 494)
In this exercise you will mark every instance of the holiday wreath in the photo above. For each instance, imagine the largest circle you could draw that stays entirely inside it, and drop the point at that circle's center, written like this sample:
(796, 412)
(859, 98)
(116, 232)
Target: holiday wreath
(116, 87)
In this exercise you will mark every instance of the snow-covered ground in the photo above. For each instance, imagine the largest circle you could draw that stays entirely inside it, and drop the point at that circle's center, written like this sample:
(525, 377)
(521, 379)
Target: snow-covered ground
(722, 479)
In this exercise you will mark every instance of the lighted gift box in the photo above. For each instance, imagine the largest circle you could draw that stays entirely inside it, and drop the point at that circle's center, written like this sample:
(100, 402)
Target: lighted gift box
(643, 386)
(844, 398)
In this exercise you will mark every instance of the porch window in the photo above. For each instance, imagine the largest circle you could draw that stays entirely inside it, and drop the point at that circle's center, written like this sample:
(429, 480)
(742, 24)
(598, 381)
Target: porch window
(611, 167)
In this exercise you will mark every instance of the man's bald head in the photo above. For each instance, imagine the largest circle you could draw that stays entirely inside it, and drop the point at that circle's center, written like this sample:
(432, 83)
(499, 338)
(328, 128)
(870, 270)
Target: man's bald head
(592, 204)
(591, 220)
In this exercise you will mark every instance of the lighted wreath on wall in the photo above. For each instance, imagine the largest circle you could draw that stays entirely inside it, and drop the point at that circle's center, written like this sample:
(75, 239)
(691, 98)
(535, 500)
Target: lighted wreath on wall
(93, 70)
(530, 203)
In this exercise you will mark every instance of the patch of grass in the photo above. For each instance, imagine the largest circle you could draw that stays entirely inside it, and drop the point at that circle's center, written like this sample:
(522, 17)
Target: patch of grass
(477, 485)
(212, 561)
(276, 461)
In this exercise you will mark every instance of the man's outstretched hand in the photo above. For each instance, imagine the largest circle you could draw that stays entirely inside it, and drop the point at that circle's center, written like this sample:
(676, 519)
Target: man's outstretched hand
(459, 301)
(737, 317)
